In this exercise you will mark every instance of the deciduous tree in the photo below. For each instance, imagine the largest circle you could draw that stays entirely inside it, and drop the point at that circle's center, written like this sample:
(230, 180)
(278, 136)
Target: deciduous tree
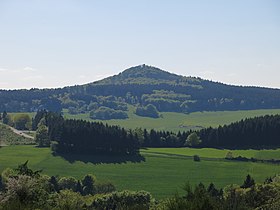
(193, 140)
(42, 137)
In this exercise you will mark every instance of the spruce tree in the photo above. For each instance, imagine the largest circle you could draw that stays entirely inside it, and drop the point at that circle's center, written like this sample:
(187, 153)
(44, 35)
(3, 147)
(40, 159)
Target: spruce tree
(249, 182)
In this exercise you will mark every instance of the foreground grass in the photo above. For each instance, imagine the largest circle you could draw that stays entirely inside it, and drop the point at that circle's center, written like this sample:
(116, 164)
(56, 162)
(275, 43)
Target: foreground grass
(162, 175)
(179, 121)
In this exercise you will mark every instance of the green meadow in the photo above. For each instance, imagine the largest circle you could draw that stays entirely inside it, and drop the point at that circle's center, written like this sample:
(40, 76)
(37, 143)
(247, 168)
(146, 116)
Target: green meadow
(163, 172)
(179, 121)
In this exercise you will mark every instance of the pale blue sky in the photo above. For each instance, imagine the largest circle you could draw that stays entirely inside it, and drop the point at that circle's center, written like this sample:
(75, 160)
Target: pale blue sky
(53, 43)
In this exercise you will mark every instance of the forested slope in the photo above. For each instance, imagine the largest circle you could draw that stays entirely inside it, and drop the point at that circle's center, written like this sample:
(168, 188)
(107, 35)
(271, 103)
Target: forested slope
(141, 86)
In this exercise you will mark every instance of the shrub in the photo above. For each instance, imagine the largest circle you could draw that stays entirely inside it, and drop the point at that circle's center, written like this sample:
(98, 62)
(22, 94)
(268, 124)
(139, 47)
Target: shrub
(196, 158)
(67, 199)
(67, 183)
(103, 188)
(22, 122)
(123, 200)
(147, 111)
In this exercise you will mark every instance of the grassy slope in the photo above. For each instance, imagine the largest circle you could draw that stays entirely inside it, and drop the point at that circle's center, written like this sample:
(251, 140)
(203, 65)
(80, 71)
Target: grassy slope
(179, 121)
(8, 137)
(162, 175)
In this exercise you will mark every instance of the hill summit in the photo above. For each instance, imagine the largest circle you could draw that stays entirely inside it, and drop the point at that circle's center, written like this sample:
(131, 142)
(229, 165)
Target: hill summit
(146, 71)
(143, 74)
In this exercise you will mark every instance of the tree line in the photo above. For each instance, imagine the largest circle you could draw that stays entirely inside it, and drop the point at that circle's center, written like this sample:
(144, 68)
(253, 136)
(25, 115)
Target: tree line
(79, 136)
(258, 132)
(82, 137)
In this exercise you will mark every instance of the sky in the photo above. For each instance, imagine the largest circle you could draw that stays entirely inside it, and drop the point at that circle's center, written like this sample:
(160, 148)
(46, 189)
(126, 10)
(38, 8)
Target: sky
(51, 43)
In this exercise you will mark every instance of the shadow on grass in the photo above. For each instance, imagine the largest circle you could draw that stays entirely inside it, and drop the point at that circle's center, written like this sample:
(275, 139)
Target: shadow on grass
(102, 159)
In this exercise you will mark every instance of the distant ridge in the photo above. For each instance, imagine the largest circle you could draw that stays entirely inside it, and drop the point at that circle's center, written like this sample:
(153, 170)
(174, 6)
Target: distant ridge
(140, 86)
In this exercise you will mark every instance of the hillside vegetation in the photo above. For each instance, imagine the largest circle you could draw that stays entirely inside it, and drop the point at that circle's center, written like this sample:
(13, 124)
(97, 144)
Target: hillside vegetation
(141, 86)
(8, 137)
(258, 132)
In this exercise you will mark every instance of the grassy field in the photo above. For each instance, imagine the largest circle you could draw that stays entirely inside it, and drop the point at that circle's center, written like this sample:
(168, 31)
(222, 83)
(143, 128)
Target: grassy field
(179, 121)
(160, 174)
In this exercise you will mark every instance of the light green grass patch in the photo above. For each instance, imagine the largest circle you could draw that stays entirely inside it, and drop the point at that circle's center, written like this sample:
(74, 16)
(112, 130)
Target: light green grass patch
(215, 153)
(178, 121)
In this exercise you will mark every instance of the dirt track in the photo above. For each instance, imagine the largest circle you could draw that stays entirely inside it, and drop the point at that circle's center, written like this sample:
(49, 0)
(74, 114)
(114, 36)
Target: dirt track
(21, 133)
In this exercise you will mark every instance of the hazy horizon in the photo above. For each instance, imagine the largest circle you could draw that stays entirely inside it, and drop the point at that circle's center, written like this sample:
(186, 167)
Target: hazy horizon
(28, 88)
(52, 44)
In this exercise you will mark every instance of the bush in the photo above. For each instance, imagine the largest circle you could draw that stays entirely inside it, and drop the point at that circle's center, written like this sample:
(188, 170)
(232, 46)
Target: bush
(196, 158)
(147, 111)
(103, 188)
(54, 146)
(123, 200)
(229, 155)
(22, 122)
(67, 199)
(24, 191)
(67, 183)
(88, 184)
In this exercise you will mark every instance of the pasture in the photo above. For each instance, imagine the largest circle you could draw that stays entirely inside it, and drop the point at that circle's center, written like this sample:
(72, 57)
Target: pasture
(179, 121)
(163, 172)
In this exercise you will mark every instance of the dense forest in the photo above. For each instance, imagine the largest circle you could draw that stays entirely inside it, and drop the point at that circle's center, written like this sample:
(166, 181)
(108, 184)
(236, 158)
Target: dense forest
(253, 133)
(82, 137)
(141, 86)
(258, 132)
(79, 136)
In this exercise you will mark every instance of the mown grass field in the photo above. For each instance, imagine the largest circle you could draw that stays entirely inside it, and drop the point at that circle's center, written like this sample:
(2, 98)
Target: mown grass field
(179, 121)
(160, 174)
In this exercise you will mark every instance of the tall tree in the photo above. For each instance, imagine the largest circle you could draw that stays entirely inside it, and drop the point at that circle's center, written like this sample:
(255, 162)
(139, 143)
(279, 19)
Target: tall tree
(248, 182)
(88, 184)
(42, 137)
(5, 117)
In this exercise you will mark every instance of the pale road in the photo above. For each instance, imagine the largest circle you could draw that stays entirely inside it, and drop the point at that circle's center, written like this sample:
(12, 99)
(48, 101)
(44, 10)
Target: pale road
(21, 133)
